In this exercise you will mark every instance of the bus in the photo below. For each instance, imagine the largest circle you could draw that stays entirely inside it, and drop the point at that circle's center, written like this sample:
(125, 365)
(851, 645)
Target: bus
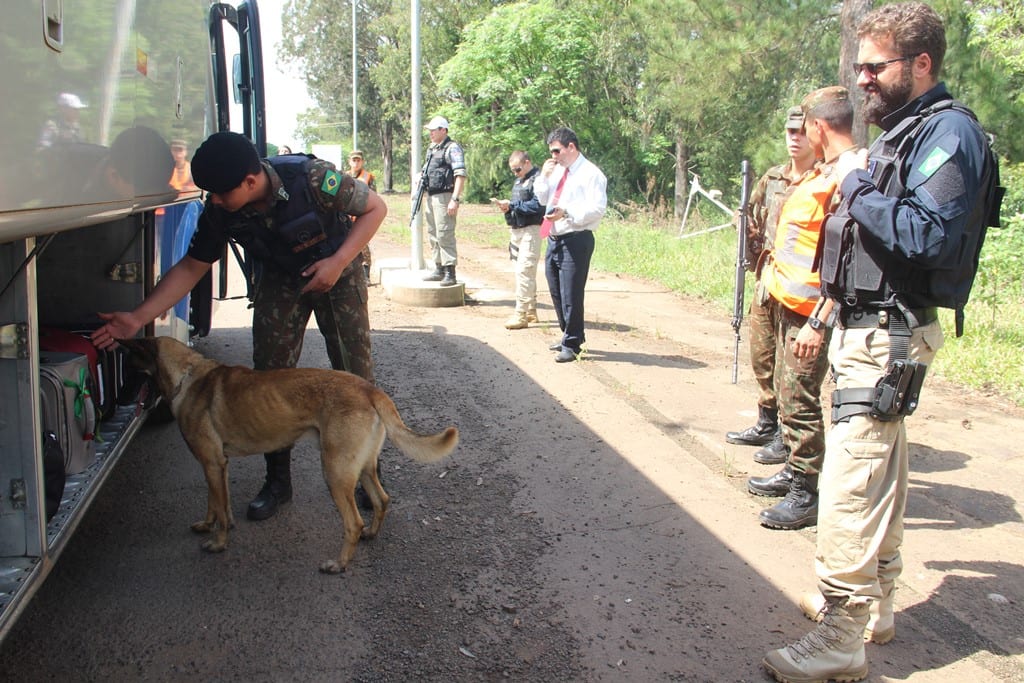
(103, 101)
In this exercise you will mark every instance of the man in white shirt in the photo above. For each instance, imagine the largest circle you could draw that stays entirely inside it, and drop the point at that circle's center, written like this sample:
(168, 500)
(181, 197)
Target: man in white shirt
(573, 189)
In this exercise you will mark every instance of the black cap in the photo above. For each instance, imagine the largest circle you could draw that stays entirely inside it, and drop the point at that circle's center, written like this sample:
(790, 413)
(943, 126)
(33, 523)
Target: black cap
(222, 162)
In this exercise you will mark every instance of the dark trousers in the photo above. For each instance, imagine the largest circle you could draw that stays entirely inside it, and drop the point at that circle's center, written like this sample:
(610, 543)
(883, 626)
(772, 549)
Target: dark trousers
(568, 265)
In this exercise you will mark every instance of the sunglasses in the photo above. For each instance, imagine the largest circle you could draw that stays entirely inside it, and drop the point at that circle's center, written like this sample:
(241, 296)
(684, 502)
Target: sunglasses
(556, 150)
(517, 170)
(875, 68)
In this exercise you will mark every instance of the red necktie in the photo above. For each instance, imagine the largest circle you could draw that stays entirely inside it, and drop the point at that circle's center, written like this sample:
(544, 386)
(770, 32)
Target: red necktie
(546, 224)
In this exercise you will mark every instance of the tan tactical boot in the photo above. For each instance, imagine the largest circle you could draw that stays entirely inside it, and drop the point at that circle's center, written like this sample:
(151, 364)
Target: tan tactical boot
(881, 626)
(834, 650)
(517, 322)
(531, 316)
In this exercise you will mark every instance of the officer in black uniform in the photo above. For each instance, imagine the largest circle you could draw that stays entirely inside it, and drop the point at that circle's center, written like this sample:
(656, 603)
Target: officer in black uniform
(291, 213)
(905, 240)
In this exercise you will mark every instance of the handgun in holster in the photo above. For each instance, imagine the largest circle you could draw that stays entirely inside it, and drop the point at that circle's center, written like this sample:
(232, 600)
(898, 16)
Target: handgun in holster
(898, 392)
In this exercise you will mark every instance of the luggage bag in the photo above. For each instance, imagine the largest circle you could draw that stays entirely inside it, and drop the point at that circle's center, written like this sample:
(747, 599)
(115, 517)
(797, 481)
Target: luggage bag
(68, 410)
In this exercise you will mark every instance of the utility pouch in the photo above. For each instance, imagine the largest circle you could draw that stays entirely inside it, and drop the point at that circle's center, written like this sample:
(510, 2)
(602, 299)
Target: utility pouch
(306, 239)
(899, 390)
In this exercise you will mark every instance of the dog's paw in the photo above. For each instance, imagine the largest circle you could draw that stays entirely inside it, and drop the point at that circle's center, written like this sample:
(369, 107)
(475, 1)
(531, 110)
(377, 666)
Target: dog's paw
(331, 567)
(202, 527)
(214, 546)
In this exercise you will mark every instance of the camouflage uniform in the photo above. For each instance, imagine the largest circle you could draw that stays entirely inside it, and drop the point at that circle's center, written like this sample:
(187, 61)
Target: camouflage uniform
(765, 205)
(281, 311)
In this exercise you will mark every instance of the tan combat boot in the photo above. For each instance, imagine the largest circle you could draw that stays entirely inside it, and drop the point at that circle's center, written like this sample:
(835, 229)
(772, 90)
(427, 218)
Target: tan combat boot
(517, 322)
(531, 316)
(881, 626)
(834, 650)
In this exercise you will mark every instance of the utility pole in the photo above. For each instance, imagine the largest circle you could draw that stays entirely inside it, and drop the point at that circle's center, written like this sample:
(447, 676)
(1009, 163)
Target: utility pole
(416, 126)
(355, 81)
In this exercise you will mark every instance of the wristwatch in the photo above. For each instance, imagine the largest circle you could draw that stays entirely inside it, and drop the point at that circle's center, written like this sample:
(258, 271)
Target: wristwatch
(816, 324)
(455, 199)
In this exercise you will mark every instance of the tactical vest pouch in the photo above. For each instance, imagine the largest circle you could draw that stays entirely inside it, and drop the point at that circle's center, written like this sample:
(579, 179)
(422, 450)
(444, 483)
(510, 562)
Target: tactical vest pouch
(306, 240)
(834, 234)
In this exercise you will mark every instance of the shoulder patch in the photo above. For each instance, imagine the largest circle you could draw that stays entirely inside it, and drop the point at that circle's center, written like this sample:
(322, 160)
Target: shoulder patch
(931, 163)
(331, 183)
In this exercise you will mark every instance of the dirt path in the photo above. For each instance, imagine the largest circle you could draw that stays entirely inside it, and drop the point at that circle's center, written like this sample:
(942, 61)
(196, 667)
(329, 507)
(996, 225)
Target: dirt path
(593, 525)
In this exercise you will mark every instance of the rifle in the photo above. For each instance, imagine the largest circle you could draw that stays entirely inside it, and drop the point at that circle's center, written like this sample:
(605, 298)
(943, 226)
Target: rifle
(418, 198)
(741, 265)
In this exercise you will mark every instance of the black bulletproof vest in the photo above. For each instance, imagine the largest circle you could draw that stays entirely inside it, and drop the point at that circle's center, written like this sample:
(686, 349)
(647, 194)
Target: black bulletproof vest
(302, 232)
(440, 174)
(856, 272)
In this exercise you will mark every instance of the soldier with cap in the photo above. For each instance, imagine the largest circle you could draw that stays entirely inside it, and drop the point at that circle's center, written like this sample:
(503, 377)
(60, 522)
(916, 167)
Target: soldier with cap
(763, 214)
(904, 240)
(800, 316)
(357, 170)
(291, 213)
(445, 175)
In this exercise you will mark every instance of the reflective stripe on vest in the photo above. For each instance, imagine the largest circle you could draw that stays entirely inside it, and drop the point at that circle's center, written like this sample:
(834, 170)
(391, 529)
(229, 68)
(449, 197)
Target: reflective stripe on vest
(789, 278)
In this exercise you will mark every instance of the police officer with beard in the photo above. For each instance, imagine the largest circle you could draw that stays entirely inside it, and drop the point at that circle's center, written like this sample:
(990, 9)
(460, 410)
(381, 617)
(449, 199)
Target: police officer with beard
(904, 241)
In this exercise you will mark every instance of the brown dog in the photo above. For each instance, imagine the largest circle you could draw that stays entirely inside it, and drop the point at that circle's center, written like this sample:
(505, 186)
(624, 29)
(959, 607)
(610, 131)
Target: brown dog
(228, 411)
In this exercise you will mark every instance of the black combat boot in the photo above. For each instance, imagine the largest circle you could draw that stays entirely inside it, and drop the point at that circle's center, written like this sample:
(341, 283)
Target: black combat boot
(277, 490)
(776, 485)
(761, 433)
(774, 453)
(799, 508)
(436, 276)
(448, 278)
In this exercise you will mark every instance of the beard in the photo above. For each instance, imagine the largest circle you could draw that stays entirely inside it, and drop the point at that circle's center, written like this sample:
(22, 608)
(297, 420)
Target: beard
(881, 100)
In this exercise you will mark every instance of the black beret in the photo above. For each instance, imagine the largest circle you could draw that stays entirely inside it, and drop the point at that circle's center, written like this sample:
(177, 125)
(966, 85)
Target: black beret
(222, 162)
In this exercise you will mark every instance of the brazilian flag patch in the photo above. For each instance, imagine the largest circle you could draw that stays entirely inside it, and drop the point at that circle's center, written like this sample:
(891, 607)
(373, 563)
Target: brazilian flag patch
(332, 181)
(935, 158)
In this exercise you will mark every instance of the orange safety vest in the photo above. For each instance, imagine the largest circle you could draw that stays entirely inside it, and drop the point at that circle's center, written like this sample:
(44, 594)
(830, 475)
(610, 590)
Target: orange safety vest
(788, 277)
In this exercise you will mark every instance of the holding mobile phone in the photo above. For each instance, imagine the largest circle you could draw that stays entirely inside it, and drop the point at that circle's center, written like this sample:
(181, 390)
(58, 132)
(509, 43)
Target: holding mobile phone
(550, 210)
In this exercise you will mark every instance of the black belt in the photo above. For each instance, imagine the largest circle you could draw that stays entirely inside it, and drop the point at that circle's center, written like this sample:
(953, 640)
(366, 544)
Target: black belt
(853, 318)
(574, 233)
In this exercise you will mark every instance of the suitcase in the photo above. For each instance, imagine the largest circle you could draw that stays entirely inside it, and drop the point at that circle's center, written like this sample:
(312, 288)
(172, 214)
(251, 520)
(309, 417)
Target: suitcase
(68, 410)
(103, 365)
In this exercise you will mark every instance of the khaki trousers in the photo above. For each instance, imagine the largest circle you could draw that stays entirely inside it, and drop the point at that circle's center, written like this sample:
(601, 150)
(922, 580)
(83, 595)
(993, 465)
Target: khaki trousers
(527, 241)
(863, 483)
(440, 229)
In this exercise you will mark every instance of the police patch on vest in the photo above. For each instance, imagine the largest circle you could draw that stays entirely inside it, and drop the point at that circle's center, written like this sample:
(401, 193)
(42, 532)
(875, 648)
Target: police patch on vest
(331, 183)
(935, 158)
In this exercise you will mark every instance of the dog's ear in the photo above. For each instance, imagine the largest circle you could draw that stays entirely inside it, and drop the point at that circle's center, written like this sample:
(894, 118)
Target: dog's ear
(141, 353)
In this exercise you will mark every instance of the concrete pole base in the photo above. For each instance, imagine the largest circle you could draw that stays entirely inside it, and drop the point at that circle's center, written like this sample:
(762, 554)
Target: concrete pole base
(405, 286)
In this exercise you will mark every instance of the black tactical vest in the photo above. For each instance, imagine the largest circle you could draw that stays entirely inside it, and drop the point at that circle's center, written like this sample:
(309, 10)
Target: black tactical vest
(440, 174)
(858, 273)
(523, 192)
(302, 232)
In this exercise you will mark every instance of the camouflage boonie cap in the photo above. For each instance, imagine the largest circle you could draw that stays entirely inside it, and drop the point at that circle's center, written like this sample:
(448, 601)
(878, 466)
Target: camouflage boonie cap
(794, 118)
(816, 98)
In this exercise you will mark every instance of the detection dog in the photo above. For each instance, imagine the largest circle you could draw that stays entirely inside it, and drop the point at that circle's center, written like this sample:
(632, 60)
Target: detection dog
(225, 411)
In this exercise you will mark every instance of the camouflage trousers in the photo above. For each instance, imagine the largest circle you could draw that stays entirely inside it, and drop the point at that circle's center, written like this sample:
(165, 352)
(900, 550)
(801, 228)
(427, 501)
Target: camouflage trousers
(798, 391)
(762, 348)
(281, 313)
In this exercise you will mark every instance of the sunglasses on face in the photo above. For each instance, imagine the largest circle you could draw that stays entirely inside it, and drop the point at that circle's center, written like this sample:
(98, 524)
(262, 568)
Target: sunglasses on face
(874, 68)
(556, 150)
(517, 170)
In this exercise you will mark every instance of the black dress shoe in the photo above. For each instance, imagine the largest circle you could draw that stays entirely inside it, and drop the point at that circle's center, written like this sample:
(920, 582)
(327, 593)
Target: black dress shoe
(557, 346)
(566, 355)
(268, 500)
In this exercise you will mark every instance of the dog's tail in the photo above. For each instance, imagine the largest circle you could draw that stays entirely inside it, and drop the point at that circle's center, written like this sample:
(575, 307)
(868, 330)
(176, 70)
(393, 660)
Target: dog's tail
(419, 447)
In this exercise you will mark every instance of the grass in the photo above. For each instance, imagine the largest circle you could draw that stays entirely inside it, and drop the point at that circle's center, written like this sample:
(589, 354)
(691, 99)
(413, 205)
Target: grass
(987, 358)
